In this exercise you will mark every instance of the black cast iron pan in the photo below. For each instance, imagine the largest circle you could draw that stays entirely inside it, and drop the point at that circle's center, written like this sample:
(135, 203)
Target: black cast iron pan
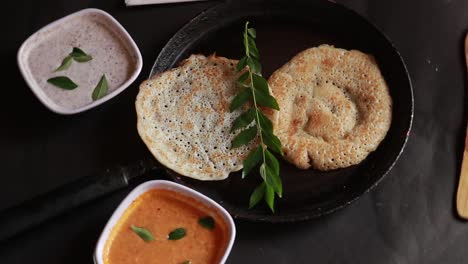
(283, 29)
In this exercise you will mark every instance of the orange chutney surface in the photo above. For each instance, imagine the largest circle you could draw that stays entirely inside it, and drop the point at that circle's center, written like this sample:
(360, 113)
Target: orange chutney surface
(162, 211)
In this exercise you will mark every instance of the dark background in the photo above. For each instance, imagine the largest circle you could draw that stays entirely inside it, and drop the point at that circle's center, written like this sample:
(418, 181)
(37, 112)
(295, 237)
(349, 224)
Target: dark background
(409, 218)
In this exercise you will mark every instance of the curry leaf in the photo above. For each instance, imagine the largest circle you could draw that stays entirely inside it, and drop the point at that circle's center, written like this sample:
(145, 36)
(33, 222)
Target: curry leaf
(207, 222)
(65, 64)
(273, 180)
(259, 83)
(252, 32)
(254, 65)
(243, 78)
(265, 123)
(253, 51)
(270, 197)
(101, 88)
(240, 99)
(79, 55)
(241, 64)
(244, 137)
(62, 82)
(272, 162)
(177, 234)
(272, 142)
(251, 160)
(266, 100)
(257, 195)
(244, 120)
(143, 233)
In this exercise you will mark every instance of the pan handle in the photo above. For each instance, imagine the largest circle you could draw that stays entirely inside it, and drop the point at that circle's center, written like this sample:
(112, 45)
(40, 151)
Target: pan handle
(29, 214)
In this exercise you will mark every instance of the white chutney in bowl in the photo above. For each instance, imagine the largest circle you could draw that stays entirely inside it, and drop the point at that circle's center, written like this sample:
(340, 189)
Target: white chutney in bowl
(114, 55)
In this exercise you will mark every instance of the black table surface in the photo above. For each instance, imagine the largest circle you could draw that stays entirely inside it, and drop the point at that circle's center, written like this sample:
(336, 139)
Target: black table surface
(409, 218)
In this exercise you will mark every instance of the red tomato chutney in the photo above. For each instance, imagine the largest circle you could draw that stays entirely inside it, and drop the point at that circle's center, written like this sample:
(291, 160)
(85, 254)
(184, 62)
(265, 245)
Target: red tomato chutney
(160, 212)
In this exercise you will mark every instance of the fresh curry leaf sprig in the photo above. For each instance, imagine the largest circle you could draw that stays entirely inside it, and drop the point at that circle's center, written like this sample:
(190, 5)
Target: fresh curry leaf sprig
(253, 123)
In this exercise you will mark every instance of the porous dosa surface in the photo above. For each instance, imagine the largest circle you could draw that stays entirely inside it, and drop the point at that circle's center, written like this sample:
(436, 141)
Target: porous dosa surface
(184, 118)
(335, 107)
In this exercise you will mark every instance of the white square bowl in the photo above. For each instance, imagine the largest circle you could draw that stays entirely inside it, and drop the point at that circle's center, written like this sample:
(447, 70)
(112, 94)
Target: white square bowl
(37, 38)
(165, 185)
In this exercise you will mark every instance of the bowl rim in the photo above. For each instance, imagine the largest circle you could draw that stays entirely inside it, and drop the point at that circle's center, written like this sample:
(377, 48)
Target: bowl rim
(165, 185)
(119, 30)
